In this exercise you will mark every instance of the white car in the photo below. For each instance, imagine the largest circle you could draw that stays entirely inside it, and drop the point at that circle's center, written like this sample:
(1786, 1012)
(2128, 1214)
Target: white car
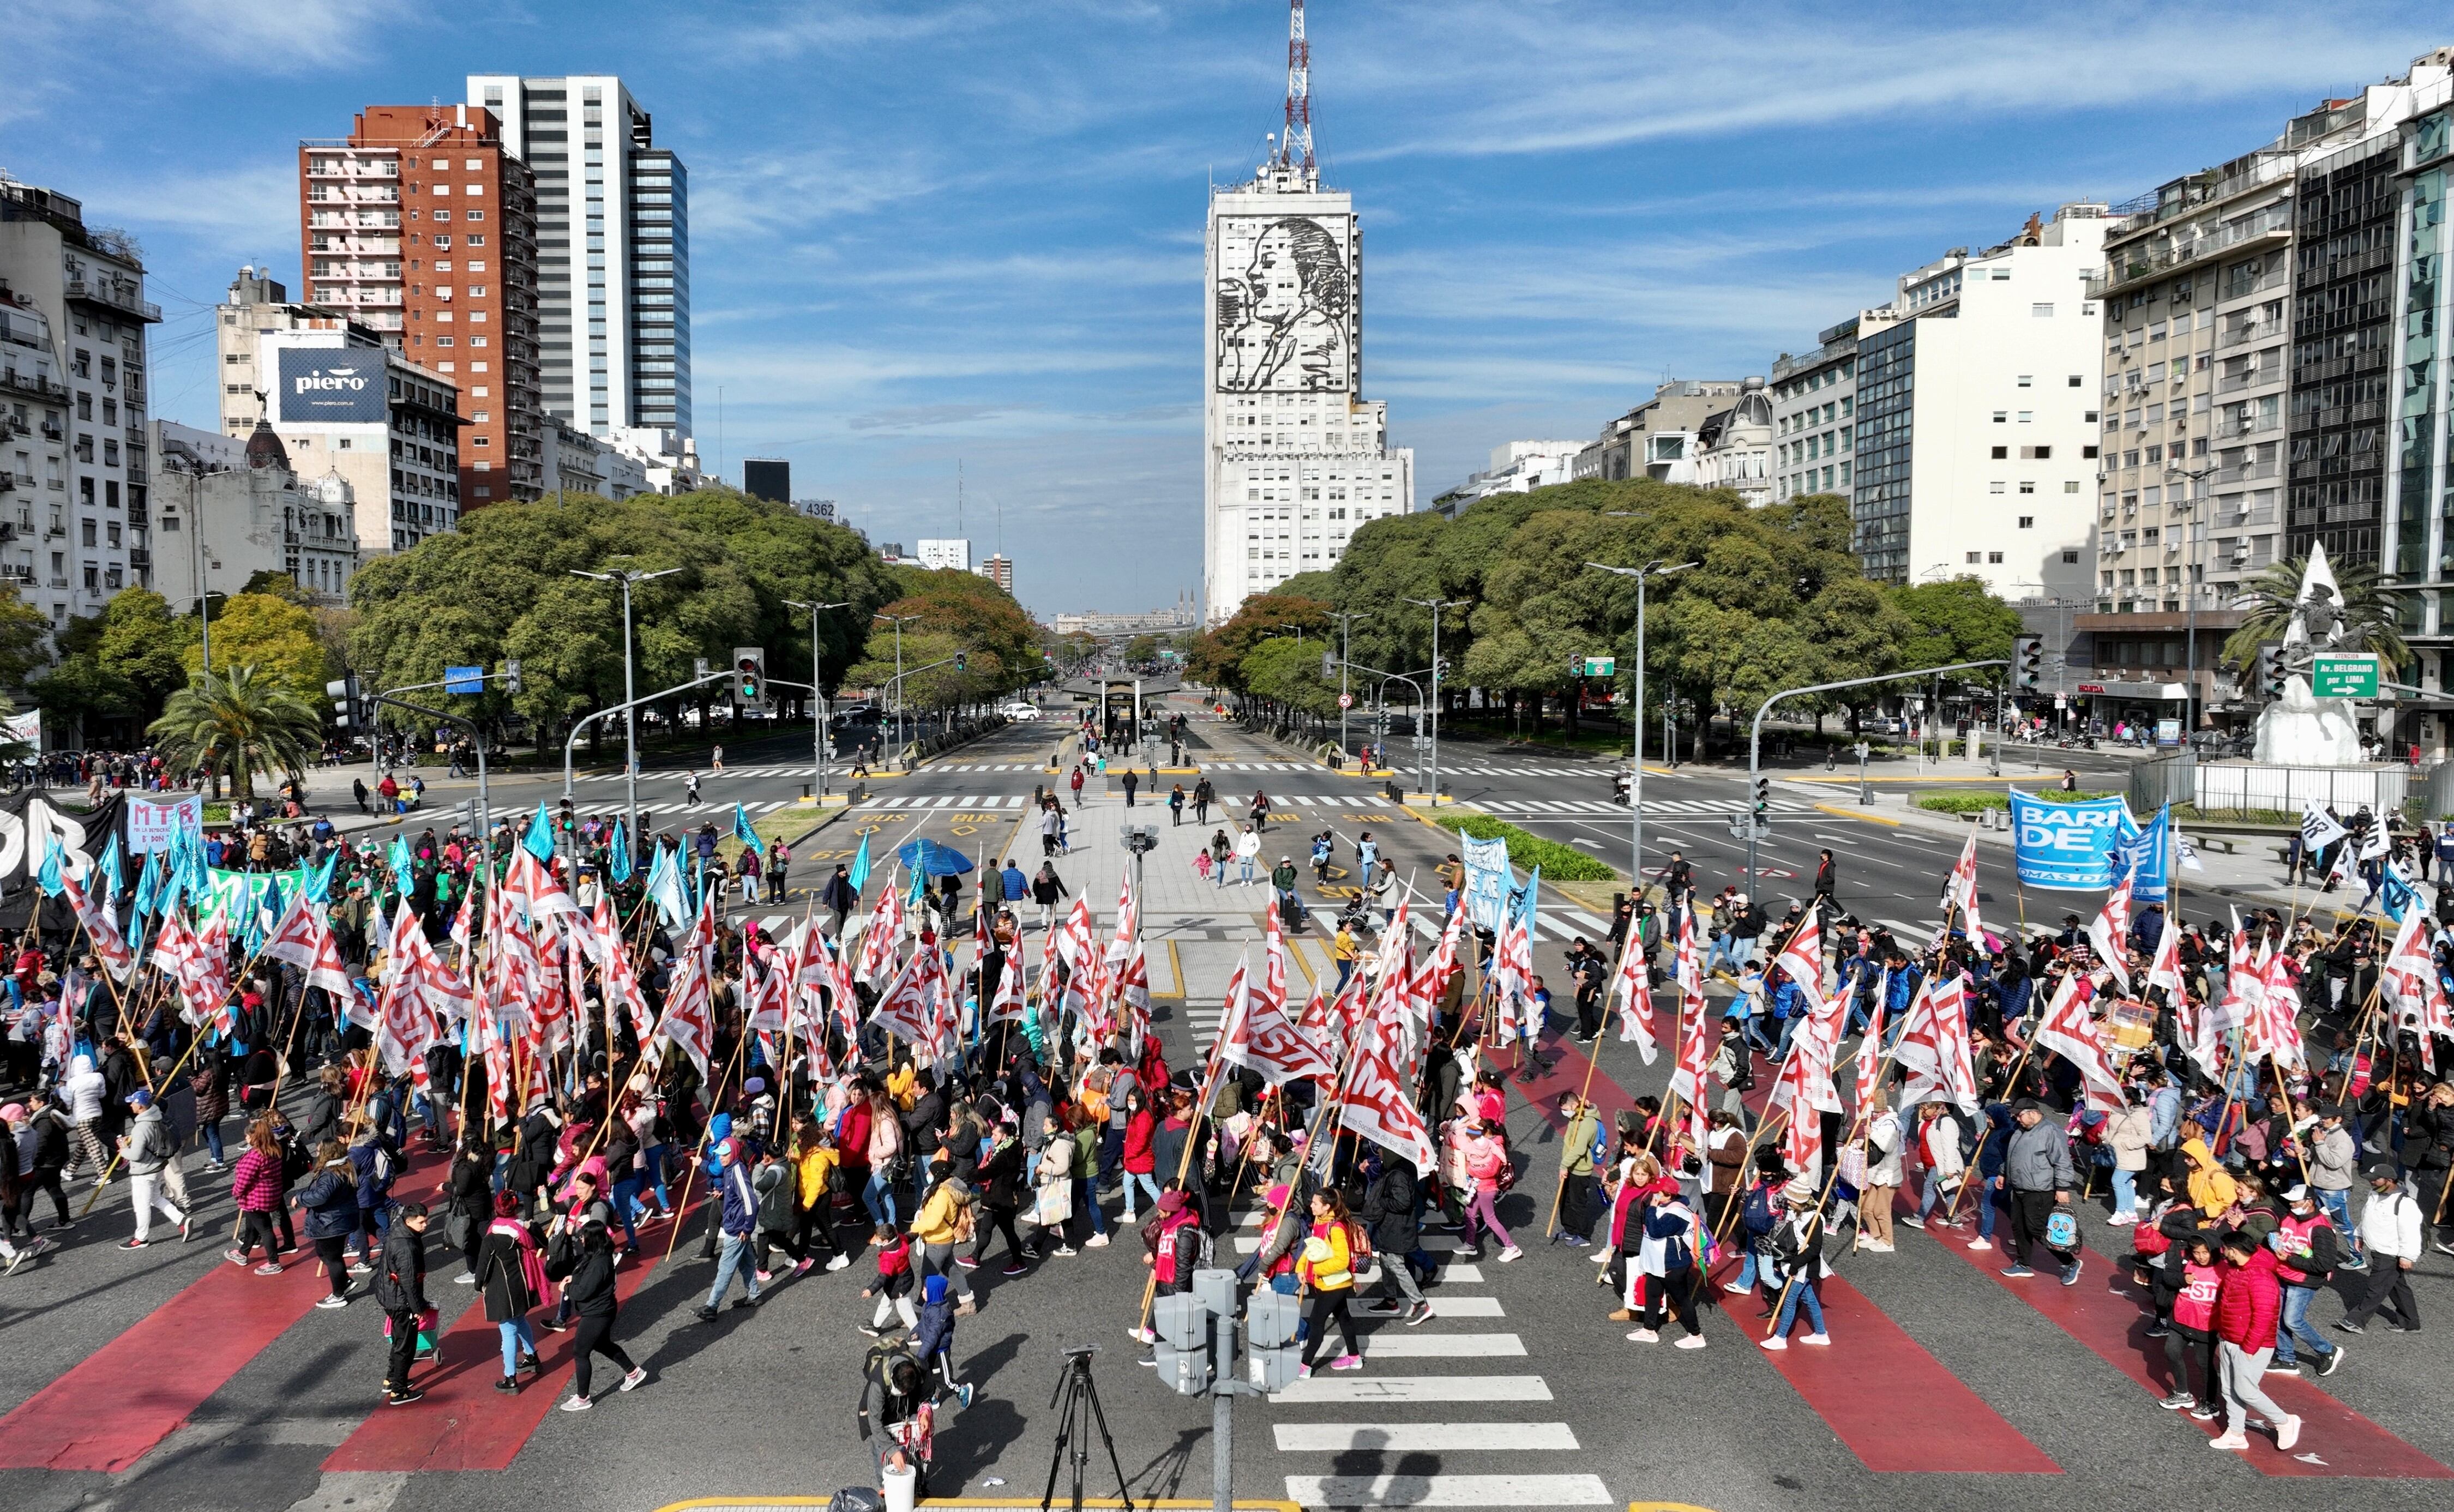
(1020, 711)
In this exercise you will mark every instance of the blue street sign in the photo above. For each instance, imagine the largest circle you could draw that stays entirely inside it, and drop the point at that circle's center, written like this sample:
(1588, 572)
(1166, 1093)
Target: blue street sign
(464, 679)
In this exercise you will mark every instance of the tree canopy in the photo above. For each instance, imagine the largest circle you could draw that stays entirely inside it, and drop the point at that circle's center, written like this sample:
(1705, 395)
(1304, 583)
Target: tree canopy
(1774, 598)
(504, 586)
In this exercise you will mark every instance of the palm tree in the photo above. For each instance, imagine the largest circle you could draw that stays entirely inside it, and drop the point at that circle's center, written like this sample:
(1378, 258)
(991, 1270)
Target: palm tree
(2269, 598)
(236, 723)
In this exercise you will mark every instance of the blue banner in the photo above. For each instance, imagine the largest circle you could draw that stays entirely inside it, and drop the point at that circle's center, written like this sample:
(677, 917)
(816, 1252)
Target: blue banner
(2066, 846)
(1487, 881)
(2147, 853)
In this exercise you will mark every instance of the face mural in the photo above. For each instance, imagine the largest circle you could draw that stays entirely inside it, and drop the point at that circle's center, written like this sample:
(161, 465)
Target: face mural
(1285, 302)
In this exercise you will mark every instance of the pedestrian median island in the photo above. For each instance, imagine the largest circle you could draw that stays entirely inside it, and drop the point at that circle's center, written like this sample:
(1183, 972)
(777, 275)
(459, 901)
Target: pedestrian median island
(1526, 850)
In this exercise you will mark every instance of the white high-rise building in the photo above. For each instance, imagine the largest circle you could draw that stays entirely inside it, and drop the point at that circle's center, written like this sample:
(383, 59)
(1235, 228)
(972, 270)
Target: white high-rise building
(1294, 456)
(947, 555)
(613, 241)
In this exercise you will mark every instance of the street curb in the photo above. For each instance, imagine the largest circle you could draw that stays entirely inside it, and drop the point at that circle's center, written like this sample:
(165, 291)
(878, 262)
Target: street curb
(1838, 812)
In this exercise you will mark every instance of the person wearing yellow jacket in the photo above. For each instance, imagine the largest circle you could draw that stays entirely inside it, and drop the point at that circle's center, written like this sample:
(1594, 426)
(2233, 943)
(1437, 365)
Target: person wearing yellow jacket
(944, 1222)
(1326, 1271)
(815, 1162)
(2212, 1188)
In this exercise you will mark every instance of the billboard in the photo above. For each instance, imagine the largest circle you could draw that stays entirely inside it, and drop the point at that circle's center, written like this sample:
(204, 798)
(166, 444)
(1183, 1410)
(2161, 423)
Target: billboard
(1285, 304)
(333, 386)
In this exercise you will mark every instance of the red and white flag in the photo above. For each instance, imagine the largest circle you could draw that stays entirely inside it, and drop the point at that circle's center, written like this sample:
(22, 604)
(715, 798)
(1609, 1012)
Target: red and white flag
(404, 1024)
(2165, 969)
(689, 1016)
(1376, 1102)
(1960, 892)
(1687, 1078)
(2412, 983)
(1433, 977)
(1802, 958)
(910, 1008)
(1258, 1036)
(2277, 1030)
(2067, 1031)
(1632, 991)
(1934, 1049)
(538, 893)
(2110, 932)
(619, 983)
(101, 929)
(883, 938)
(305, 941)
(1008, 1005)
(201, 972)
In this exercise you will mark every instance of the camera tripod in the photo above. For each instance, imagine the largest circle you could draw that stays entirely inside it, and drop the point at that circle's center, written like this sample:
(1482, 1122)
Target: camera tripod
(1079, 1414)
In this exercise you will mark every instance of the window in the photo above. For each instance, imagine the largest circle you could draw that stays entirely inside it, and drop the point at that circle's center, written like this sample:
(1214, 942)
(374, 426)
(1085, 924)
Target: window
(2088, 453)
(2069, 487)
(2001, 416)
(1975, 557)
(2001, 454)
(2028, 522)
(1995, 487)
(2069, 557)
(2042, 312)
(2036, 454)
(1994, 558)
(2074, 383)
(2027, 381)
(2028, 487)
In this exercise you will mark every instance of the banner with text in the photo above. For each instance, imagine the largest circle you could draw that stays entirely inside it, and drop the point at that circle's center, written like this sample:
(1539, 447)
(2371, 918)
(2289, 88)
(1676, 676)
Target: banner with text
(151, 825)
(2067, 846)
(1487, 881)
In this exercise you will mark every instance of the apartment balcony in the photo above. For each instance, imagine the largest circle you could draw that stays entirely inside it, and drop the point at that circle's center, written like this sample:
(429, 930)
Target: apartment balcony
(2126, 267)
(16, 573)
(2258, 331)
(140, 560)
(2247, 473)
(122, 297)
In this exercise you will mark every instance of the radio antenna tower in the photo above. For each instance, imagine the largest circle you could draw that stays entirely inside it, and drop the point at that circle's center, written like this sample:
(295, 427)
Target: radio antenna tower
(1295, 145)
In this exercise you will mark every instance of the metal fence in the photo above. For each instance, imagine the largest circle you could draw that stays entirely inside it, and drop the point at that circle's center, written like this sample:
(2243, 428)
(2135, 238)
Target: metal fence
(2167, 779)
(2437, 790)
(2233, 786)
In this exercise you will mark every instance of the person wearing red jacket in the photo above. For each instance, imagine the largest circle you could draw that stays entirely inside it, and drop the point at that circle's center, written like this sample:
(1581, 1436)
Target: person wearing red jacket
(1139, 1159)
(2248, 1304)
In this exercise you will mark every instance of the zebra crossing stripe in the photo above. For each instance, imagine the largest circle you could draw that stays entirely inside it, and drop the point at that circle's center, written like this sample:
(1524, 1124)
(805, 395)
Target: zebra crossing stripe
(1411, 1389)
(1388, 1346)
(1407, 1437)
(1448, 1490)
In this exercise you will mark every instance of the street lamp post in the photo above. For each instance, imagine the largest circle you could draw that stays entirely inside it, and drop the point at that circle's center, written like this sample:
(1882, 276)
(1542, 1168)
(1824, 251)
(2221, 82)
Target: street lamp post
(1656, 567)
(2197, 476)
(1345, 646)
(817, 694)
(630, 713)
(897, 620)
(1432, 783)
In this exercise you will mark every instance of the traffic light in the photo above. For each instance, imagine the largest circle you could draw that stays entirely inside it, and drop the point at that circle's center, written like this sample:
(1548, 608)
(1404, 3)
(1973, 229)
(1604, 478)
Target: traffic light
(1439, 669)
(750, 676)
(1763, 794)
(2269, 672)
(512, 675)
(1271, 1353)
(699, 667)
(1182, 1323)
(345, 696)
(1328, 665)
(2028, 661)
(962, 660)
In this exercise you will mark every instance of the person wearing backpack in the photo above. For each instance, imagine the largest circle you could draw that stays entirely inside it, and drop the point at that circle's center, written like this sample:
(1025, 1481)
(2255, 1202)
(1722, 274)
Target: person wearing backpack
(932, 1341)
(2190, 1334)
(1797, 1248)
(1176, 1246)
(2307, 1253)
(2390, 1237)
(1388, 1208)
(1757, 1217)
(331, 1203)
(400, 1291)
(371, 1157)
(1325, 1271)
(779, 1212)
(585, 1265)
(510, 1274)
(1578, 1144)
(1487, 1167)
(895, 1414)
(2037, 1168)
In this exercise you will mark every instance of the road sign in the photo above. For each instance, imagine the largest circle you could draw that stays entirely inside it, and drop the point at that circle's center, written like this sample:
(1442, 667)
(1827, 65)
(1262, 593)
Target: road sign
(464, 679)
(1346, 700)
(2344, 674)
(1602, 666)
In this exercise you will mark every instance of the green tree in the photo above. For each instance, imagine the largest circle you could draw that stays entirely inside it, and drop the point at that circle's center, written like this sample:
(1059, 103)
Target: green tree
(277, 637)
(236, 723)
(23, 631)
(1217, 656)
(80, 695)
(1959, 619)
(145, 643)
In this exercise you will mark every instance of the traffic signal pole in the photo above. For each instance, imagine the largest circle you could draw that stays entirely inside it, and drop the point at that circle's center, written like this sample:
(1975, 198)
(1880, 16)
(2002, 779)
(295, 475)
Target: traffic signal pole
(1759, 786)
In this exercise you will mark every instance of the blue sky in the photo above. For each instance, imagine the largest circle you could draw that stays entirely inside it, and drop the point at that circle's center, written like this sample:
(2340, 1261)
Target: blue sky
(927, 233)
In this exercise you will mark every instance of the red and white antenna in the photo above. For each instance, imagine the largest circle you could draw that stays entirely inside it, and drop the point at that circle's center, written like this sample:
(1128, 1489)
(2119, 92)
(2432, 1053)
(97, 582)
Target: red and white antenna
(1295, 147)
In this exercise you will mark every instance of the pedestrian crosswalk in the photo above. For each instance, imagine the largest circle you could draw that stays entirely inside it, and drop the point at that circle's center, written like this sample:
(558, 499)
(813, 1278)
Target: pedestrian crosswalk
(967, 801)
(1562, 807)
(1336, 1456)
(799, 769)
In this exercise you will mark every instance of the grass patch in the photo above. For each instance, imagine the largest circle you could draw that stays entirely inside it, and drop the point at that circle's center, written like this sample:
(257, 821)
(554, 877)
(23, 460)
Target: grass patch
(1528, 850)
(1973, 800)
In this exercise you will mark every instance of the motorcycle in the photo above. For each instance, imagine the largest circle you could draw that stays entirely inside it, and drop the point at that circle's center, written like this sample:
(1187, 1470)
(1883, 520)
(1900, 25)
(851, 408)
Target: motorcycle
(1622, 785)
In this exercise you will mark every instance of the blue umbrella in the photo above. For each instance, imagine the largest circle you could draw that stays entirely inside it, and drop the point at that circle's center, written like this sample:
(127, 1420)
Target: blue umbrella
(926, 858)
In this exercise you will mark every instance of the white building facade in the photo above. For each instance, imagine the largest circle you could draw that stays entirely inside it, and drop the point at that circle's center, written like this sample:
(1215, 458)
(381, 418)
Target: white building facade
(75, 517)
(1976, 426)
(1734, 448)
(613, 239)
(946, 554)
(1294, 458)
(225, 513)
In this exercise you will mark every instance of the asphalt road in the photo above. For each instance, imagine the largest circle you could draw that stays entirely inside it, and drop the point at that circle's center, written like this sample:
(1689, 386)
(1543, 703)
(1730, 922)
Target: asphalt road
(1944, 1387)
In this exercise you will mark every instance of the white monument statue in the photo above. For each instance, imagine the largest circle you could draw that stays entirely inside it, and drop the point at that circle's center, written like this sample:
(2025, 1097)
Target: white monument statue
(2300, 729)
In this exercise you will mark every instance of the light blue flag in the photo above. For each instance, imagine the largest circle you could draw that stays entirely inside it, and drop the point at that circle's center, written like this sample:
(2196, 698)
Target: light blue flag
(111, 871)
(149, 883)
(860, 866)
(402, 865)
(617, 859)
(317, 880)
(539, 838)
(665, 889)
(2395, 893)
(174, 883)
(49, 878)
(742, 832)
(1533, 891)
